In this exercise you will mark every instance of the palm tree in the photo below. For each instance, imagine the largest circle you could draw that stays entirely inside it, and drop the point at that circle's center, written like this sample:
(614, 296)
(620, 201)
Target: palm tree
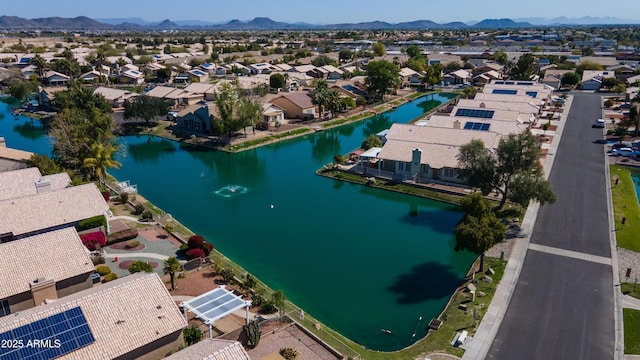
(102, 158)
(170, 266)
(39, 62)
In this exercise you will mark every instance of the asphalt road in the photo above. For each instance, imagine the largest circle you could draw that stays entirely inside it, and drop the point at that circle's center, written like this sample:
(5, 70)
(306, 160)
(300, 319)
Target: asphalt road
(562, 307)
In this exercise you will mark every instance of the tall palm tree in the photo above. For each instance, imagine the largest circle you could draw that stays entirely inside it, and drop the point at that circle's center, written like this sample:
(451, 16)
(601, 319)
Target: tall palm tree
(170, 266)
(102, 158)
(39, 62)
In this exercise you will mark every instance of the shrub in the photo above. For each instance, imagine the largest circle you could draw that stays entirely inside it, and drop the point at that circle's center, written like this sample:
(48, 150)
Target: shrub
(138, 209)
(147, 215)
(124, 197)
(194, 254)
(268, 308)
(196, 242)
(133, 243)
(184, 247)
(289, 353)
(123, 235)
(103, 270)
(227, 274)
(257, 300)
(168, 228)
(90, 240)
(192, 335)
(110, 277)
(91, 223)
(140, 266)
(97, 260)
(106, 195)
(609, 103)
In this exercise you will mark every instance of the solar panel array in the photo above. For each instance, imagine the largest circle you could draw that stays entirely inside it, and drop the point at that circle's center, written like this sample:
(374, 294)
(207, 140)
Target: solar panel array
(483, 114)
(532, 93)
(476, 126)
(505, 92)
(48, 338)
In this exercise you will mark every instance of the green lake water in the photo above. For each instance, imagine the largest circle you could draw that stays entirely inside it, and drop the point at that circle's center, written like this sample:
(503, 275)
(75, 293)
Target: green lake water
(356, 258)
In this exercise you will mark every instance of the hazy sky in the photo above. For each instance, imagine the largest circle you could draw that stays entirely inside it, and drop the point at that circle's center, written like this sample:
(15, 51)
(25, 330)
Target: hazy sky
(321, 12)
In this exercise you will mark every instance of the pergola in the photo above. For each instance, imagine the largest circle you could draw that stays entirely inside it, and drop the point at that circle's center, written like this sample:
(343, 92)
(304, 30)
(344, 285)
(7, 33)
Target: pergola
(215, 305)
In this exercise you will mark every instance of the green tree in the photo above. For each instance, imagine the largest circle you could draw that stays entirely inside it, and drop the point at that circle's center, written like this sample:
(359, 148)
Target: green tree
(334, 103)
(587, 51)
(416, 63)
(40, 63)
(414, 51)
(226, 101)
(610, 82)
(479, 228)
(279, 300)
(192, 335)
(323, 60)
(370, 142)
(570, 79)
(512, 171)
(277, 81)
(433, 75)
(249, 113)
(382, 77)
(345, 55)
(319, 97)
(620, 88)
(634, 119)
(140, 266)
(101, 159)
(45, 164)
(501, 57)
(378, 49)
(171, 266)
(20, 89)
(146, 108)
(524, 69)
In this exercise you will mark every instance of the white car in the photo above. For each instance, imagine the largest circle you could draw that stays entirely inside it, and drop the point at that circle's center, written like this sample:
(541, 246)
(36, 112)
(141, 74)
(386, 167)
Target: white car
(599, 124)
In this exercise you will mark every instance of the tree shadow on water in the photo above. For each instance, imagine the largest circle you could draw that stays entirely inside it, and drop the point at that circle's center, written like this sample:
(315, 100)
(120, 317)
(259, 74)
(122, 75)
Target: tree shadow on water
(427, 281)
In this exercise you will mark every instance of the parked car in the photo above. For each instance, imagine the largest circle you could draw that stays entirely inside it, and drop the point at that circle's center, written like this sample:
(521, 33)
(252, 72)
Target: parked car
(599, 124)
(626, 152)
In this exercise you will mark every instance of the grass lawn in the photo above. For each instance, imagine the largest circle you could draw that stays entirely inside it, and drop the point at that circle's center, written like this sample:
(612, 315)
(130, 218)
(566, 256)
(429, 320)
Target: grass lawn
(631, 331)
(625, 205)
(627, 289)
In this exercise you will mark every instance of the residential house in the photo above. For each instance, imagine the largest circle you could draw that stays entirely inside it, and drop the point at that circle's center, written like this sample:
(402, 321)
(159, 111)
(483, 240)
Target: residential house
(207, 90)
(272, 115)
(177, 97)
(199, 76)
(332, 72)
(319, 73)
(261, 68)
(484, 67)
(49, 210)
(521, 107)
(553, 78)
(29, 70)
(118, 59)
(508, 87)
(46, 96)
(116, 97)
(427, 154)
(510, 98)
(306, 69)
(409, 77)
(92, 76)
(55, 78)
(210, 68)
(283, 67)
(12, 159)
(592, 79)
(486, 77)
(143, 322)
(153, 68)
(67, 269)
(131, 77)
(196, 118)
(633, 80)
(461, 76)
(296, 105)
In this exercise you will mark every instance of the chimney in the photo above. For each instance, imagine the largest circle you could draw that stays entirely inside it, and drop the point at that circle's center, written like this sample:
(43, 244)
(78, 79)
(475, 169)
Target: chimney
(483, 105)
(3, 143)
(43, 185)
(43, 290)
(456, 124)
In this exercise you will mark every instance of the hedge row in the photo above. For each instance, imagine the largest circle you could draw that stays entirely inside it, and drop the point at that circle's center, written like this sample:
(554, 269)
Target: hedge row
(92, 222)
(123, 235)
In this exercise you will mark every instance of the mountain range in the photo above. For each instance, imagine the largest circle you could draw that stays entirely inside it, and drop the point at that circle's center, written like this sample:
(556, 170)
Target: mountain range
(263, 23)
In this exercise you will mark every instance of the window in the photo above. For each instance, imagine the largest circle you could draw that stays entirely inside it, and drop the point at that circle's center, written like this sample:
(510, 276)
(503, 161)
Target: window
(450, 173)
(4, 308)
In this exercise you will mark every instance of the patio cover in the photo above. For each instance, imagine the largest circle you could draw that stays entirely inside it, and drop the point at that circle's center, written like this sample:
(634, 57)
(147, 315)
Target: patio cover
(215, 305)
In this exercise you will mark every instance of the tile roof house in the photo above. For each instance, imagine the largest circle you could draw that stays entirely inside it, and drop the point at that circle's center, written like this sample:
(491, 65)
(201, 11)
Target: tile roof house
(425, 153)
(30, 281)
(212, 349)
(12, 159)
(592, 79)
(55, 78)
(133, 317)
(131, 77)
(116, 97)
(296, 105)
(34, 214)
(271, 115)
(29, 181)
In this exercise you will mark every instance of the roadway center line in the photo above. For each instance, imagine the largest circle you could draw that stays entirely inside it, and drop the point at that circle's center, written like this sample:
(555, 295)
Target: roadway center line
(571, 254)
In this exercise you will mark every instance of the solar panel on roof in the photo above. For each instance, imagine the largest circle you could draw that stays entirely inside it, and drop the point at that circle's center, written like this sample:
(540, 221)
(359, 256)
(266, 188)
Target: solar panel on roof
(532, 93)
(470, 125)
(526, 83)
(505, 92)
(476, 113)
(56, 335)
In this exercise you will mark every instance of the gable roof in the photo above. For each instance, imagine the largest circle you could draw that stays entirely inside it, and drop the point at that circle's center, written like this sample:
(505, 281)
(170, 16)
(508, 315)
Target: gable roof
(123, 315)
(300, 99)
(65, 256)
(18, 183)
(50, 209)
